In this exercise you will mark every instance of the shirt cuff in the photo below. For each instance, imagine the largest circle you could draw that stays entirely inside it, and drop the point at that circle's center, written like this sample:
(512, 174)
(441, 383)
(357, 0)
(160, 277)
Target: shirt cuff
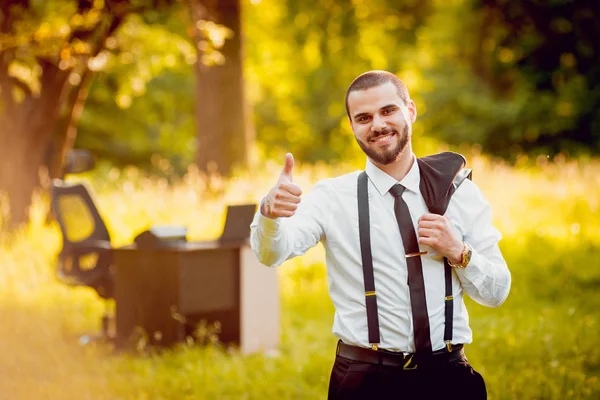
(473, 272)
(268, 226)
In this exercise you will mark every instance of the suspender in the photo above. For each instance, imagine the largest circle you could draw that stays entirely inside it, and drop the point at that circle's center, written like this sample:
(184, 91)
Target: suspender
(367, 262)
(449, 298)
(449, 302)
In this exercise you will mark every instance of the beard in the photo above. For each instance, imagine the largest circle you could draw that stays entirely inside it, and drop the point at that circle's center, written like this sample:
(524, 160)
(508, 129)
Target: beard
(386, 156)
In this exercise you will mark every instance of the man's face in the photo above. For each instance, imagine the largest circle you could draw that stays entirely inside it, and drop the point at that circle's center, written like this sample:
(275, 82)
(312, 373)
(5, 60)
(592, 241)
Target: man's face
(381, 122)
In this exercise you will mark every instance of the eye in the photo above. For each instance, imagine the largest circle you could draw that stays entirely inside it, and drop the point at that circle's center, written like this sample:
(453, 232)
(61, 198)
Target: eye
(363, 118)
(388, 111)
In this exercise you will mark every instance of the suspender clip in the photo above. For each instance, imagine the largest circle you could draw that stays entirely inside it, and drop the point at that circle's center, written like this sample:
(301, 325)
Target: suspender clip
(449, 346)
(374, 346)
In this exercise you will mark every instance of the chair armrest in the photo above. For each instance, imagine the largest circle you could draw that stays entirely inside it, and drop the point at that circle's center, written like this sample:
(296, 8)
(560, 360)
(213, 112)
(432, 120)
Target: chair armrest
(93, 244)
(89, 246)
(96, 271)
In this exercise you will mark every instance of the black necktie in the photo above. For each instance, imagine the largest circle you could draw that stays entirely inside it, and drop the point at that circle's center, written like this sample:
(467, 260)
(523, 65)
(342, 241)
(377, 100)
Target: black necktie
(415, 270)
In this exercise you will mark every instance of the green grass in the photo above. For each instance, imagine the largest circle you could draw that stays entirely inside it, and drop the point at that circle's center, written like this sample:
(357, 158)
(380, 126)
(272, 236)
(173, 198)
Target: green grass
(542, 343)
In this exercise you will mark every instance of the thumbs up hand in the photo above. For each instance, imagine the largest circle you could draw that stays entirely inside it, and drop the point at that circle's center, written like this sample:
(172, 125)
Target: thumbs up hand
(283, 199)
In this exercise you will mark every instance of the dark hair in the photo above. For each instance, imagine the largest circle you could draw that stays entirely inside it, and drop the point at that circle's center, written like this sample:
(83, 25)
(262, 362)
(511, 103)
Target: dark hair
(374, 78)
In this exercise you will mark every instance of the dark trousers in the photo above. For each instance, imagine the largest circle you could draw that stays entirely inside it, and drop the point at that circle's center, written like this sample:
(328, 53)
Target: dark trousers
(360, 380)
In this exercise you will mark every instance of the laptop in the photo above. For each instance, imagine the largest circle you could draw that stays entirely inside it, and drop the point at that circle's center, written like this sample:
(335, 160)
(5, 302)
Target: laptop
(237, 223)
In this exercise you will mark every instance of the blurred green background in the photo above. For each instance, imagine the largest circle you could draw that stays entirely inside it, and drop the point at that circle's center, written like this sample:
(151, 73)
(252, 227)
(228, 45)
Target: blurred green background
(191, 105)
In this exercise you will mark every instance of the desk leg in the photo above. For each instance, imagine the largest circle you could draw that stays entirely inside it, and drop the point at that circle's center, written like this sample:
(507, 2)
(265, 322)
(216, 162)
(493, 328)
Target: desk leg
(259, 302)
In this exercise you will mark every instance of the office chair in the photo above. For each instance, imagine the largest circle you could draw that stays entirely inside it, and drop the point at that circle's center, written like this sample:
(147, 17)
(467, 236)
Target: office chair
(86, 255)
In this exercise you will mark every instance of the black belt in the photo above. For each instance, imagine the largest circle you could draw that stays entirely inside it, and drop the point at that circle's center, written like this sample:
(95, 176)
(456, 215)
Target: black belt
(407, 361)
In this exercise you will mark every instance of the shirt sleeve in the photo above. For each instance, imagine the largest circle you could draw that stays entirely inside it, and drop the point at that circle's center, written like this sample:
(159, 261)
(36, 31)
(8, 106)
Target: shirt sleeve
(486, 279)
(277, 240)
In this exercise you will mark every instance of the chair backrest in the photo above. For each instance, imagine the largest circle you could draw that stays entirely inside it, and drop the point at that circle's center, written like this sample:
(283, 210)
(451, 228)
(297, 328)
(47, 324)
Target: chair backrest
(237, 222)
(76, 213)
(78, 161)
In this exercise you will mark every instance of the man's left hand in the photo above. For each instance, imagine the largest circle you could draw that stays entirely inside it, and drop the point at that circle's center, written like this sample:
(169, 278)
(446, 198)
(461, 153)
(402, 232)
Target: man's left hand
(436, 231)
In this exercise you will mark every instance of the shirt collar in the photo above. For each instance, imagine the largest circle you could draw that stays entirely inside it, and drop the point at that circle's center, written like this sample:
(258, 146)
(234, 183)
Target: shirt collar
(383, 182)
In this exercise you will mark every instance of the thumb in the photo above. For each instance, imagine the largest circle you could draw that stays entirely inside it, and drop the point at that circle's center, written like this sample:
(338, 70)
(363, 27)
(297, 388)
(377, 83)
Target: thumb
(287, 168)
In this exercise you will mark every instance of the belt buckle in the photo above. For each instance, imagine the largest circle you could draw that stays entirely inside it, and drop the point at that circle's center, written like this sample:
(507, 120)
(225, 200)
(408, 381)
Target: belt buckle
(410, 363)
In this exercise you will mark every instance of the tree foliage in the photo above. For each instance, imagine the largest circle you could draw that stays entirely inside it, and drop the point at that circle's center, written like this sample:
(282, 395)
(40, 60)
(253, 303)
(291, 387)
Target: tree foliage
(508, 76)
(554, 47)
(141, 103)
(45, 56)
(303, 55)
(515, 77)
(49, 54)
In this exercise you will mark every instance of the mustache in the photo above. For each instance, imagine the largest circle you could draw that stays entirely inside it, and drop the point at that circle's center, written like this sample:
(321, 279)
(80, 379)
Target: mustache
(381, 133)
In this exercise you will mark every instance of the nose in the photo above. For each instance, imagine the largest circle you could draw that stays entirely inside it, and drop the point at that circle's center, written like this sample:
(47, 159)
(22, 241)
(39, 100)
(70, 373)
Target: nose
(379, 123)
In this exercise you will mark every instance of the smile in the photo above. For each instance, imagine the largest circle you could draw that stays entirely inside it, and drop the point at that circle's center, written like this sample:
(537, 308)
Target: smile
(383, 138)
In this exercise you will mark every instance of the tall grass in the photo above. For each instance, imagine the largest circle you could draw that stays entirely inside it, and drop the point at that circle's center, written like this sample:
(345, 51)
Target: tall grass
(541, 344)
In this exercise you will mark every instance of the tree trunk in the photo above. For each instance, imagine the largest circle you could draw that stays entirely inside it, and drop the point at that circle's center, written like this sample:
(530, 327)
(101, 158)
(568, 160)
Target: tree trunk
(67, 126)
(26, 129)
(75, 98)
(223, 136)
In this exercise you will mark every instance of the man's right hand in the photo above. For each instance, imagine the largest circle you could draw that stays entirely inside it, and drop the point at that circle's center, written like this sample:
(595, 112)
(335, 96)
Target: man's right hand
(283, 199)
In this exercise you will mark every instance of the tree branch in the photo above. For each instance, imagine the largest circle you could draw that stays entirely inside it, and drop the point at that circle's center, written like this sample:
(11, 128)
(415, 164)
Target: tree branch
(116, 21)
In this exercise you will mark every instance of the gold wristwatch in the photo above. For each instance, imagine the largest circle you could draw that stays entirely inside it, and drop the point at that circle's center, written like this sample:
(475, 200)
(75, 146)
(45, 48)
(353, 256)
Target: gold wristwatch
(466, 257)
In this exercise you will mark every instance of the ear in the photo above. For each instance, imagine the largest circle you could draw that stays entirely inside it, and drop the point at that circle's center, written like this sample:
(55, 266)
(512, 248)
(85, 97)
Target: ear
(412, 111)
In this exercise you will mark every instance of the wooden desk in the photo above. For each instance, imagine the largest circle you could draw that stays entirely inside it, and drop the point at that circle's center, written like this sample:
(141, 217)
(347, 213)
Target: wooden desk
(164, 293)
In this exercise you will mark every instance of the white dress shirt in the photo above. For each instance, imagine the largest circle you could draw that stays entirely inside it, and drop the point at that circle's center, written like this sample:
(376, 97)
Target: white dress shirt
(329, 213)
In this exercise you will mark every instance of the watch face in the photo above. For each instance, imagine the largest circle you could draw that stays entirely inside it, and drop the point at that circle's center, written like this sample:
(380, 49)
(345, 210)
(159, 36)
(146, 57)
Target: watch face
(467, 256)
